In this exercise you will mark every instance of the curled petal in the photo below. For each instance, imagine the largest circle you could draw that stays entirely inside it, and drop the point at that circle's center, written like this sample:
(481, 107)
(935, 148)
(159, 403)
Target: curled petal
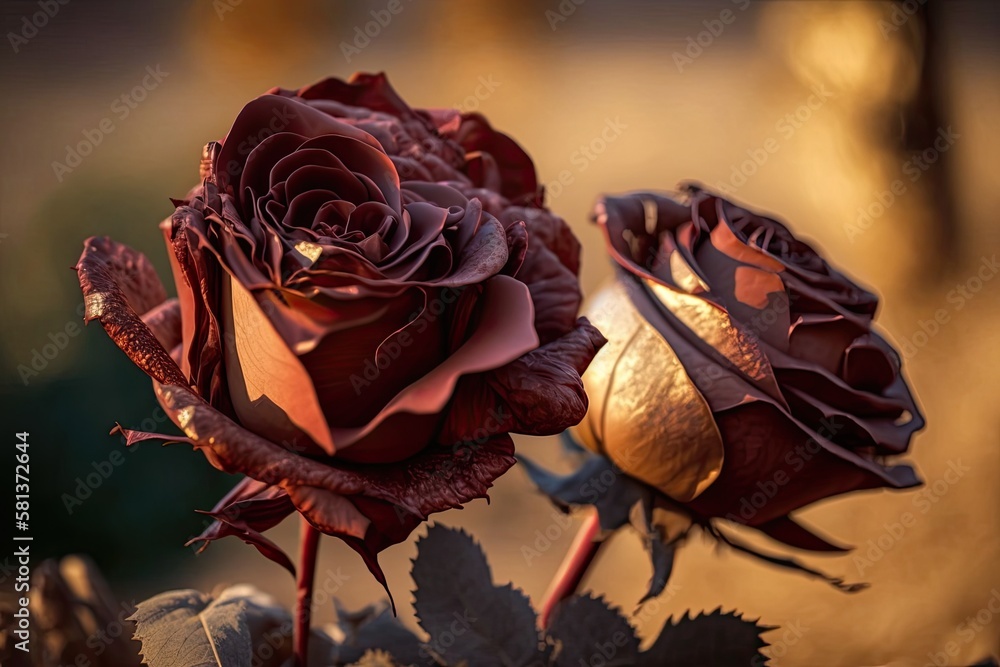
(277, 114)
(509, 166)
(540, 393)
(547, 229)
(118, 285)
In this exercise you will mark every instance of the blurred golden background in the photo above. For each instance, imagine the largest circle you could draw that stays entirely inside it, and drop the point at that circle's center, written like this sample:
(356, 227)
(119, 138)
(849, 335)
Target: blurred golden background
(868, 126)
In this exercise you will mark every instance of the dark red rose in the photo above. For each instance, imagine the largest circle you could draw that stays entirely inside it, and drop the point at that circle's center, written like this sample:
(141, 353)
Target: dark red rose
(742, 375)
(370, 299)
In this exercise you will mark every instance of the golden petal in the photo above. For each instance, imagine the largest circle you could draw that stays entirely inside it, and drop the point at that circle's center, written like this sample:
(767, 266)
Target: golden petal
(646, 414)
(713, 325)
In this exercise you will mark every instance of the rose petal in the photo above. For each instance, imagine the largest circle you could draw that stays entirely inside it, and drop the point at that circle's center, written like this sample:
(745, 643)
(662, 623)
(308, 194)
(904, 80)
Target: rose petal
(118, 283)
(677, 449)
(165, 323)
(539, 394)
(555, 291)
(195, 271)
(503, 334)
(548, 229)
(271, 114)
(271, 390)
(434, 480)
(794, 534)
(543, 389)
(761, 441)
(515, 170)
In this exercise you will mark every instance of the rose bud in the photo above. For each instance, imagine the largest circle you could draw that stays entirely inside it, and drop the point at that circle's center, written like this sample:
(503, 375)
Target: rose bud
(370, 299)
(742, 378)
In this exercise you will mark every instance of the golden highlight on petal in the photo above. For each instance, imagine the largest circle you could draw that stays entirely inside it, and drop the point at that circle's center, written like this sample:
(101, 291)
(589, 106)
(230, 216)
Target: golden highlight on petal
(713, 325)
(270, 388)
(682, 274)
(310, 251)
(94, 305)
(645, 413)
(185, 419)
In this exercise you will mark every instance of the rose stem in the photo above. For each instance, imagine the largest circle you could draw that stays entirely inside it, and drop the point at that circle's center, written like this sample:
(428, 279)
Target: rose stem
(574, 566)
(308, 546)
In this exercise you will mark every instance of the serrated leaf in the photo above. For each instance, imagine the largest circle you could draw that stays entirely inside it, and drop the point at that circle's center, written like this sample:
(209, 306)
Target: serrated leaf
(357, 633)
(717, 639)
(587, 631)
(187, 628)
(469, 620)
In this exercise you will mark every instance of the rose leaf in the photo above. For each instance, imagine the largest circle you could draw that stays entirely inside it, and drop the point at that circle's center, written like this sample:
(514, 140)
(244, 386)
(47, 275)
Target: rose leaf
(357, 634)
(186, 628)
(716, 638)
(585, 628)
(469, 620)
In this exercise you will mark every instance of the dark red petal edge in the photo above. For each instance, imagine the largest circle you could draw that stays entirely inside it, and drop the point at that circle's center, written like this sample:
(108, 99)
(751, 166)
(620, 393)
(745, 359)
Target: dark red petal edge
(119, 285)
(539, 394)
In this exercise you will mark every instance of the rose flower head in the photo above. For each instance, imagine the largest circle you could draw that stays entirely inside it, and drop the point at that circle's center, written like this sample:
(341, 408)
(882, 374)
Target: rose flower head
(370, 299)
(760, 358)
(742, 379)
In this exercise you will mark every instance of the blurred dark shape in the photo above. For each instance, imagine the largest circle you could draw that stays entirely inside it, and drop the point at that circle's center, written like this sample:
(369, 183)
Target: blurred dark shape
(922, 117)
(75, 620)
